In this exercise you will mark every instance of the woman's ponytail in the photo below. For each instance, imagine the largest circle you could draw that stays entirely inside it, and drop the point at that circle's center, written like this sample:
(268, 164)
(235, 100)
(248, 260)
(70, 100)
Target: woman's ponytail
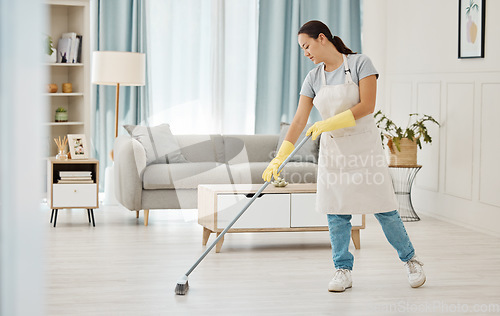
(340, 46)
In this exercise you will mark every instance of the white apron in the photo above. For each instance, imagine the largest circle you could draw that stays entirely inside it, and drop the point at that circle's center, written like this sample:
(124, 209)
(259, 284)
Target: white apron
(353, 176)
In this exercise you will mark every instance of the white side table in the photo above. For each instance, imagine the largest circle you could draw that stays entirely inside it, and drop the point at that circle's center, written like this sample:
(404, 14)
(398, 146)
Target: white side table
(72, 195)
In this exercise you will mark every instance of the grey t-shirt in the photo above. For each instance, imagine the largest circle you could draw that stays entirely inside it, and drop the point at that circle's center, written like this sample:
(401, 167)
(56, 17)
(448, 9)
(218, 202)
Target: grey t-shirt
(360, 65)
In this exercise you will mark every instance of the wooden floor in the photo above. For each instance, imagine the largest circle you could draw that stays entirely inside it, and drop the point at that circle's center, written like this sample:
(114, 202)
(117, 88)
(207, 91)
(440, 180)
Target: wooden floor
(121, 267)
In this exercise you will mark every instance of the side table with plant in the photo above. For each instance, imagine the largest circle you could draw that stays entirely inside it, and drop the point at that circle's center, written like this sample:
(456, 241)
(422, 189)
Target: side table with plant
(402, 143)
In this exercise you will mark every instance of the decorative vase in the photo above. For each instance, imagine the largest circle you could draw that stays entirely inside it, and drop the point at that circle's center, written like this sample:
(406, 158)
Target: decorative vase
(67, 87)
(61, 117)
(62, 155)
(52, 88)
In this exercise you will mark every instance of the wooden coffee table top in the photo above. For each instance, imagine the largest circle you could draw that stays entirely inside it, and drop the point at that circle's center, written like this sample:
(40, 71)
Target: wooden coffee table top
(252, 188)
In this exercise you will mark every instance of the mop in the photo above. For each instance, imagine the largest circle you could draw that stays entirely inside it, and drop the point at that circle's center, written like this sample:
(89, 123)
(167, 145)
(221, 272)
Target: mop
(182, 285)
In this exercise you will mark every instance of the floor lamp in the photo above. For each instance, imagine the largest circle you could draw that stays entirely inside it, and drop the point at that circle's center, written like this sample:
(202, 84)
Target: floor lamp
(117, 69)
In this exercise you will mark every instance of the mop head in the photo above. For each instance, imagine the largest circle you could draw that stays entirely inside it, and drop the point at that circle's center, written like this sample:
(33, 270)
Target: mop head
(182, 286)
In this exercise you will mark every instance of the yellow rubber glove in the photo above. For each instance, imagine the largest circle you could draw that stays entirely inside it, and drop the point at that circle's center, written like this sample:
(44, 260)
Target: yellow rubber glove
(272, 169)
(341, 120)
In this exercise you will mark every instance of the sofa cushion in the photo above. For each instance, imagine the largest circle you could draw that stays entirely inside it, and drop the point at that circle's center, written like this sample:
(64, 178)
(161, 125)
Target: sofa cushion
(294, 172)
(249, 148)
(201, 148)
(190, 175)
(308, 152)
(185, 175)
(158, 142)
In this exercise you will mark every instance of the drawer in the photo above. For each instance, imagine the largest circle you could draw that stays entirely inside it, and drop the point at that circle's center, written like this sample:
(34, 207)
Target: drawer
(74, 195)
(303, 212)
(267, 211)
(357, 220)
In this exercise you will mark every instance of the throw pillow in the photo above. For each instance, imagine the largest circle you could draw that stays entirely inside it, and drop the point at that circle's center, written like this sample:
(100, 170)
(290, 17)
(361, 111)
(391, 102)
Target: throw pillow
(159, 143)
(308, 152)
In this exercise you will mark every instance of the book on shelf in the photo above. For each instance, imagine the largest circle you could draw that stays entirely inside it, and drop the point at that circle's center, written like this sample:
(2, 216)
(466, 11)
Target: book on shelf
(79, 51)
(69, 48)
(71, 53)
(76, 178)
(82, 181)
(63, 50)
(75, 173)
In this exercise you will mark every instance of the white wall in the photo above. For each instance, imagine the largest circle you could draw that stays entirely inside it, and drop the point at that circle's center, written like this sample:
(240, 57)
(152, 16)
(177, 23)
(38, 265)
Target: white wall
(414, 45)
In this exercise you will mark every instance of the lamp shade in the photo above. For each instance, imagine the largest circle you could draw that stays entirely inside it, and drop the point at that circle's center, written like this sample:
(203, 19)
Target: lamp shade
(125, 68)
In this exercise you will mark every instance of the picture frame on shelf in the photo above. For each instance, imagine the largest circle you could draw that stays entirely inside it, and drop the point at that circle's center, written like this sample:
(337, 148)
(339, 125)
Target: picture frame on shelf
(471, 24)
(78, 147)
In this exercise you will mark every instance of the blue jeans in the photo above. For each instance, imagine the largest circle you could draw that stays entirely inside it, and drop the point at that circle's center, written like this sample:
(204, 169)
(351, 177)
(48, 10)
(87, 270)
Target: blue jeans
(340, 237)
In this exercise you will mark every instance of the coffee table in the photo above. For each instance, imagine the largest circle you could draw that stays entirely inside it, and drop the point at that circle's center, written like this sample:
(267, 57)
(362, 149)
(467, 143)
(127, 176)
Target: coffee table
(278, 209)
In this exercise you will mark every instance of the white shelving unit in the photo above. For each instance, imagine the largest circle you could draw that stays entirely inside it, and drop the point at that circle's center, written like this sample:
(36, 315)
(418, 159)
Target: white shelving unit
(64, 123)
(69, 16)
(59, 94)
(64, 65)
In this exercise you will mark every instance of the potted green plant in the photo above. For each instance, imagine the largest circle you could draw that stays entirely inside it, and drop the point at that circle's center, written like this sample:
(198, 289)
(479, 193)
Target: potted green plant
(403, 142)
(50, 51)
(61, 114)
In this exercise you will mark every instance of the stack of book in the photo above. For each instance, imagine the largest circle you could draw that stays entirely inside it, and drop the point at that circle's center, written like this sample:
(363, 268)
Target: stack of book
(75, 177)
(69, 48)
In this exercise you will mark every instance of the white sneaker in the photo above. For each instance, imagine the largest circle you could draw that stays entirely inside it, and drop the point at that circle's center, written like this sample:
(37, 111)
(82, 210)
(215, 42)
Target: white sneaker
(416, 275)
(341, 280)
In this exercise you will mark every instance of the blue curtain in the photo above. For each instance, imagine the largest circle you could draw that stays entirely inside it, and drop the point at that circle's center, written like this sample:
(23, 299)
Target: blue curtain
(281, 66)
(121, 26)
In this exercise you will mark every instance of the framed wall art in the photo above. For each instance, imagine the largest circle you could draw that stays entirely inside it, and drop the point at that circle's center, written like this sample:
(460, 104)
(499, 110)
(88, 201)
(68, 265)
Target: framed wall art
(78, 147)
(471, 21)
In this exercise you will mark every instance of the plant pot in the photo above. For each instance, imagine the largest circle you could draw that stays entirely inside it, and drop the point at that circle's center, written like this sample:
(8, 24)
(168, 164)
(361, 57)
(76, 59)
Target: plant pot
(406, 157)
(61, 117)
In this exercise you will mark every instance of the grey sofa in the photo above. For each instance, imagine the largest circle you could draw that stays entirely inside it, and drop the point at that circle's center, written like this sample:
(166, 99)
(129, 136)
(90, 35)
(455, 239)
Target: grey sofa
(213, 159)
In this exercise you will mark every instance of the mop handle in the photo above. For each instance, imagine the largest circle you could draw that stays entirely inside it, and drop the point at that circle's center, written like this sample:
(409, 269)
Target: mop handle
(256, 195)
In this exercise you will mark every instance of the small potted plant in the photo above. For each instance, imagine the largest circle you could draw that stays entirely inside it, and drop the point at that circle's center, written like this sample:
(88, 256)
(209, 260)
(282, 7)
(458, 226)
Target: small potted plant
(402, 143)
(61, 114)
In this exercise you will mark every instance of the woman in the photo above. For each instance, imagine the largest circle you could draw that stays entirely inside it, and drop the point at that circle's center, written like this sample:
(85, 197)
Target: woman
(353, 176)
